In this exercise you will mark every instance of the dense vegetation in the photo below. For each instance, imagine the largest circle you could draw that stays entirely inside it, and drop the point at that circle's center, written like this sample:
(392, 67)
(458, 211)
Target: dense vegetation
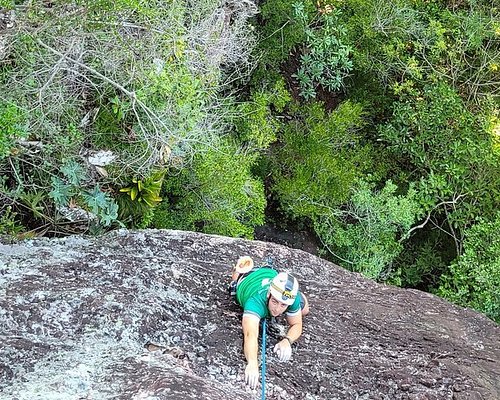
(376, 124)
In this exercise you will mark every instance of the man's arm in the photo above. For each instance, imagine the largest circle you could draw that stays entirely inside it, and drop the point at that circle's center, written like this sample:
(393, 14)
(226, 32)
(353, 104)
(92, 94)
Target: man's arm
(295, 329)
(250, 325)
(284, 347)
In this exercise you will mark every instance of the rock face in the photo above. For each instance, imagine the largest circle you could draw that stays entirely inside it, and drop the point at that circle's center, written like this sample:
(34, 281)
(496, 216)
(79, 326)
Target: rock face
(146, 315)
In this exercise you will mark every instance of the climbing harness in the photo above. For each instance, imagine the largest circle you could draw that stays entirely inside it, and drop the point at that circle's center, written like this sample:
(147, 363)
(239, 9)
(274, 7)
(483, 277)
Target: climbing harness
(263, 351)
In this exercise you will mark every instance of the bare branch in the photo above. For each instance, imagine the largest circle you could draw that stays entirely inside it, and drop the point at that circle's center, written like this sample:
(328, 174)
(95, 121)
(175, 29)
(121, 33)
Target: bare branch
(454, 201)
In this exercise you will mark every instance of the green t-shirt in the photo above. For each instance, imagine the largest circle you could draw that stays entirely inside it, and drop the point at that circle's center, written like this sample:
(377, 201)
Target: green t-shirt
(251, 294)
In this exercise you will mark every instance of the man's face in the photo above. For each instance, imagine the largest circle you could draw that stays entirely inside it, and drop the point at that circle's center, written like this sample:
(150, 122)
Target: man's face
(276, 307)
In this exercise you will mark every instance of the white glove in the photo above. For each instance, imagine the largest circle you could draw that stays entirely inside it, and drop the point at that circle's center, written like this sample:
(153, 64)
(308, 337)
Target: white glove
(252, 376)
(283, 349)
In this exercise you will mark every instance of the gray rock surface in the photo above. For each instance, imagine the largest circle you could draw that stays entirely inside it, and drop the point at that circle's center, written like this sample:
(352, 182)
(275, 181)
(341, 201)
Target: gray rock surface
(146, 315)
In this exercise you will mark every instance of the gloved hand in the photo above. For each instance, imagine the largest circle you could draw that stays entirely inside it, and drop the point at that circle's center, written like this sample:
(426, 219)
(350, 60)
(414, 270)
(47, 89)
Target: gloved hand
(283, 349)
(252, 375)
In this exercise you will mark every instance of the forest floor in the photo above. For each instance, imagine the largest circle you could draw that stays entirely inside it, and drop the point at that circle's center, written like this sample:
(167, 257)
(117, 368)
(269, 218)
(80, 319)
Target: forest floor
(280, 230)
(297, 239)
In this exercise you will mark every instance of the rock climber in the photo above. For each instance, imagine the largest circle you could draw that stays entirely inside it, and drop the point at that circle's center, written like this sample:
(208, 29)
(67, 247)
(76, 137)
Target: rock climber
(263, 292)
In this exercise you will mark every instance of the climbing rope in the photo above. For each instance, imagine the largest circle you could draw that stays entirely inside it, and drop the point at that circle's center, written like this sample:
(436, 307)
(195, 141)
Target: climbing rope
(263, 351)
(270, 264)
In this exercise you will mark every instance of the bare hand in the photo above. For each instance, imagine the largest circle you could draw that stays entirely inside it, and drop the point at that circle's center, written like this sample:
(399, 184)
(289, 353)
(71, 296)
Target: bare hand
(283, 349)
(252, 375)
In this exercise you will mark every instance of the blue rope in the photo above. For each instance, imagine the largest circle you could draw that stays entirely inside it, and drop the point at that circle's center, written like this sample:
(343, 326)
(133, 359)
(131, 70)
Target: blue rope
(263, 351)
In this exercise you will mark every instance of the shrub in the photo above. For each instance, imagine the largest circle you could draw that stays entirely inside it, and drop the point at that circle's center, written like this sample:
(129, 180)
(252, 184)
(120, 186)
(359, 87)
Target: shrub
(71, 188)
(450, 153)
(403, 42)
(8, 223)
(255, 124)
(217, 195)
(320, 158)
(139, 200)
(473, 280)
(279, 31)
(140, 79)
(367, 232)
(11, 128)
(423, 260)
(325, 59)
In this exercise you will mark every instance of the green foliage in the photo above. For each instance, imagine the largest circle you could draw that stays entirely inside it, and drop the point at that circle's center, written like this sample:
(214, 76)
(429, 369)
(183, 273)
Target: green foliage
(110, 130)
(256, 125)
(438, 122)
(175, 87)
(145, 191)
(143, 80)
(102, 205)
(7, 4)
(422, 261)
(8, 222)
(450, 152)
(449, 149)
(11, 128)
(320, 159)
(63, 189)
(280, 32)
(61, 192)
(35, 203)
(139, 200)
(326, 58)
(68, 141)
(71, 189)
(493, 126)
(74, 173)
(173, 113)
(218, 195)
(368, 231)
(474, 279)
(382, 32)
(407, 42)
(415, 122)
(321, 164)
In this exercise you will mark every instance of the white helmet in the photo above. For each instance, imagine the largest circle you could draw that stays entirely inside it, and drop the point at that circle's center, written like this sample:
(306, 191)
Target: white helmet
(284, 288)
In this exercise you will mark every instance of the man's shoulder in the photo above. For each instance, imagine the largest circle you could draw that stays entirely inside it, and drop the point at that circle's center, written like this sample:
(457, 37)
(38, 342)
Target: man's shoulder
(255, 305)
(252, 284)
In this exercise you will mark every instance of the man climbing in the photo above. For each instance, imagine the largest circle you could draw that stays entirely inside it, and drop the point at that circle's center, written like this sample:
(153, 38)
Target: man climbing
(262, 292)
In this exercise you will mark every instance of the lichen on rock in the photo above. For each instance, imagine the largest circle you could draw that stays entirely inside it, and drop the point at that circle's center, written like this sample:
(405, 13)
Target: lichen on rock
(146, 315)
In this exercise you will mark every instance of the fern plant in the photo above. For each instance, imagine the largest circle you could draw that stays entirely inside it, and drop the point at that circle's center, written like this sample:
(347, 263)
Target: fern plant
(102, 205)
(70, 188)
